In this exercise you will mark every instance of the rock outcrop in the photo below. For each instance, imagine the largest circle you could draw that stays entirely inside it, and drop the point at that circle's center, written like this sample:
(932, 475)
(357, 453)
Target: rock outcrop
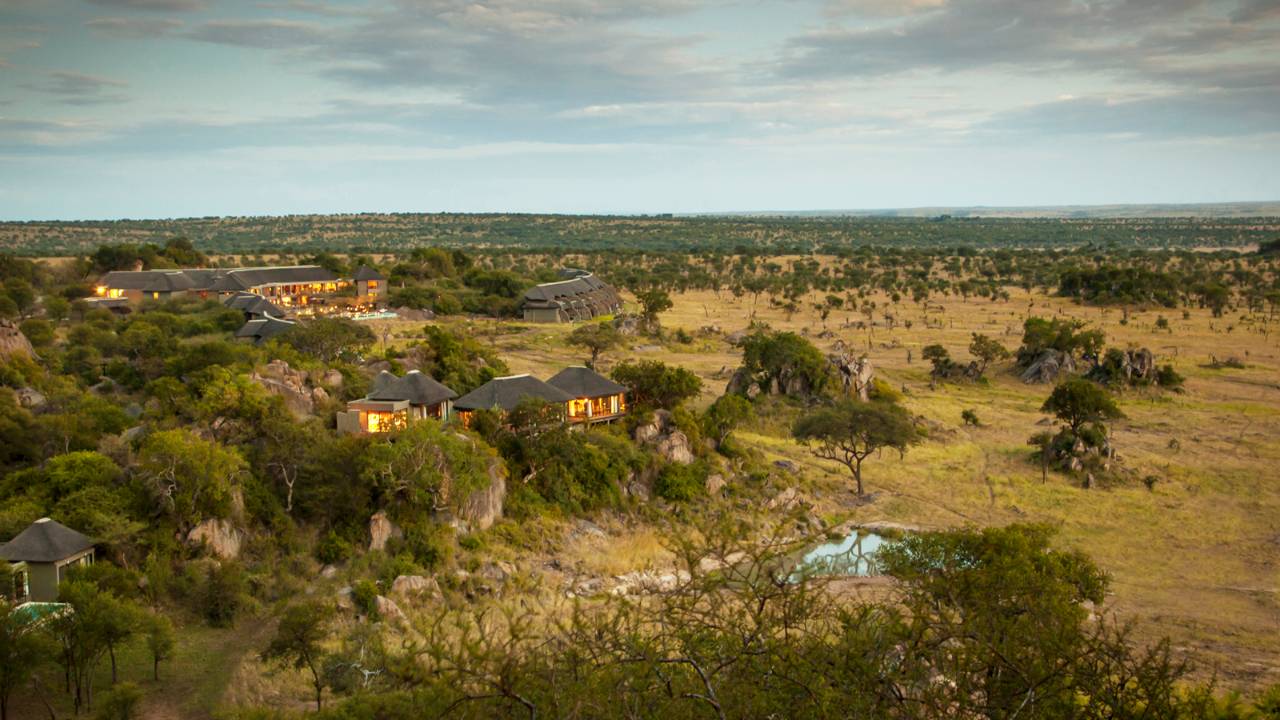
(415, 586)
(381, 529)
(1048, 367)
(30, 398)
(645, 582)
(220, 537)
(292, 385)
(13, 342)
(855, 373)
(482, 508)
(665, 438)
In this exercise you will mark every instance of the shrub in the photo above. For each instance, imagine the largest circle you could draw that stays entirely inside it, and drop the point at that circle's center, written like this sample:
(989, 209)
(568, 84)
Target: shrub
(223, 594)
(364, 595)
(120, 702)
(681, 483)
(333, 548)
(970, 418)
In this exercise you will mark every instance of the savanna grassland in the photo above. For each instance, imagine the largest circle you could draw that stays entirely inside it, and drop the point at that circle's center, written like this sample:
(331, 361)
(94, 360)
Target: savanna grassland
(1196, 558)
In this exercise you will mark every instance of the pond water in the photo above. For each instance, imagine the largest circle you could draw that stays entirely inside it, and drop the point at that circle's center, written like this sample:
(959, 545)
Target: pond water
(854, 556)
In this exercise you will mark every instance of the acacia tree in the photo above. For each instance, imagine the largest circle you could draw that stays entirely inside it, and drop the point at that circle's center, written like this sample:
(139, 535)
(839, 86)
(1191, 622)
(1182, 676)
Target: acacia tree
(1078, 402)
(596, 338)
(987, 351)
(725, 415)
(851, 430)
(654, 384)
(652, 302)
(21, 651)
(297, 642)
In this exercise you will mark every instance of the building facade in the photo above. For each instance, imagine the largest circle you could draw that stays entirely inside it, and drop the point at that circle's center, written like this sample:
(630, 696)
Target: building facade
(580, 297)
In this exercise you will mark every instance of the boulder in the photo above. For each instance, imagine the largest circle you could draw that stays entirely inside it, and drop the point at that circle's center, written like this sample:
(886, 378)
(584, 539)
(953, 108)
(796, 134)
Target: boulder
(715, 483)
(786, 466)
(332, 378)
(482, 508)
(219, 536)
(785, 500)
(280, 379)
(1048, 367)
(30, 398)
(735, 338)
(414, 314)
(13, 342)
(410, 586)
(740, 383)
(665, 438)
(855, 373)
(643, 582)
(388, 610)
(381, 529)
(627, 324)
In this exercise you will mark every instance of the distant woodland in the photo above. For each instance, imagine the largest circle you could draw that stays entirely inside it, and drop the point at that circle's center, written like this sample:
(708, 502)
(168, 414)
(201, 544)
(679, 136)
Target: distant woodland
(374, 233)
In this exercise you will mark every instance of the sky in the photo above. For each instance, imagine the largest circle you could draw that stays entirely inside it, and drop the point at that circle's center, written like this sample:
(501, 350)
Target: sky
(190, 108)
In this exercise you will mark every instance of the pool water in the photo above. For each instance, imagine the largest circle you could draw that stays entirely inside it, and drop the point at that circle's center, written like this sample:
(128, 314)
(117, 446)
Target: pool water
(854, 556)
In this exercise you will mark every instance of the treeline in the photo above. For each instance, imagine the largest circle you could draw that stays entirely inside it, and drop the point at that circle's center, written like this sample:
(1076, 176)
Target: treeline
(373, 233)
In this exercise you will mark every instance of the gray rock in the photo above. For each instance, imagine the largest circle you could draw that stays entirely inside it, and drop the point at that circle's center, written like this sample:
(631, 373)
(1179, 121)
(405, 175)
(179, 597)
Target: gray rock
(30, 398)
(409, 586)
(219, 536)
(381, 529)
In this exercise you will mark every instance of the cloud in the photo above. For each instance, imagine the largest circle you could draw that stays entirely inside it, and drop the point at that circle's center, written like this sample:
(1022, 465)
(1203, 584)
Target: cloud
(79, 89)
(1230, 113)
(1135, 39)
(133, 28)
(261, 34)
(504, 52)
(156, 5)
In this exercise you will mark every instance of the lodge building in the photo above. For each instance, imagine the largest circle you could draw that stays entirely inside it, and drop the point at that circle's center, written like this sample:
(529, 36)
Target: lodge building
(296, 289)
(584, 396)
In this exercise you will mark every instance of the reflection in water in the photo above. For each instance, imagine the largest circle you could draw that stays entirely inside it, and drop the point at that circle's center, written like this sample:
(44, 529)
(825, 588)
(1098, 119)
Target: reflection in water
(853, 556)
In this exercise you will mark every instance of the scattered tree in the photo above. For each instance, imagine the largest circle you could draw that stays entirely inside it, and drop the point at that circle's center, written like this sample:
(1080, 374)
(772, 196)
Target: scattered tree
(297, 642)
(849, 431)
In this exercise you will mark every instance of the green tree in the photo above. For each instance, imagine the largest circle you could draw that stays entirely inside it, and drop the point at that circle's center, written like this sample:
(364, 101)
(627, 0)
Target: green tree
(725, 415)
(652, 302)
(1008, 608)
(330, 339)
(785, 360)
(427, 468)
(189, 477)
(297, 642)
(849, 431)
(160, 641)
(987, 351)
(596, 338)
(121, 702)
(654, 384)
(1078, 401)
(22, 650)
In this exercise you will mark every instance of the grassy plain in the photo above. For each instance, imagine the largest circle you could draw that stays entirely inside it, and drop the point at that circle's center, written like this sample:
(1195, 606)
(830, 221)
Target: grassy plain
(1196, 558)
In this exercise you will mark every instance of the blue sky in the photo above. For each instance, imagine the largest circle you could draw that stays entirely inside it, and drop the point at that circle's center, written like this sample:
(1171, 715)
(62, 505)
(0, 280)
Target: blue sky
(175, 108)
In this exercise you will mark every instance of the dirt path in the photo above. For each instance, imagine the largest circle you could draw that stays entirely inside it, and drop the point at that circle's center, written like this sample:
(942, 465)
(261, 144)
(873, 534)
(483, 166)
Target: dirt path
(201, 675)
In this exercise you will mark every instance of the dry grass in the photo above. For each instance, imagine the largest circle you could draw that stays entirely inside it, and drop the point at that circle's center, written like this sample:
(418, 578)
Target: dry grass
(1197, 559)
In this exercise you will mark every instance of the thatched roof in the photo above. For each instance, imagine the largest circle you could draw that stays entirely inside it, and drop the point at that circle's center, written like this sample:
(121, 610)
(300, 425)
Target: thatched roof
(582, 382)
(504, 393)
(45, 540)
(416, 387)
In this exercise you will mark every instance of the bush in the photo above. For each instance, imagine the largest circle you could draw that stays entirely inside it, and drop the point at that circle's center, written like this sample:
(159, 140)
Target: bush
(333, 548)
(223, 594)
(682, 483)
(364, 595)
(970, 418)
(120, 702)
